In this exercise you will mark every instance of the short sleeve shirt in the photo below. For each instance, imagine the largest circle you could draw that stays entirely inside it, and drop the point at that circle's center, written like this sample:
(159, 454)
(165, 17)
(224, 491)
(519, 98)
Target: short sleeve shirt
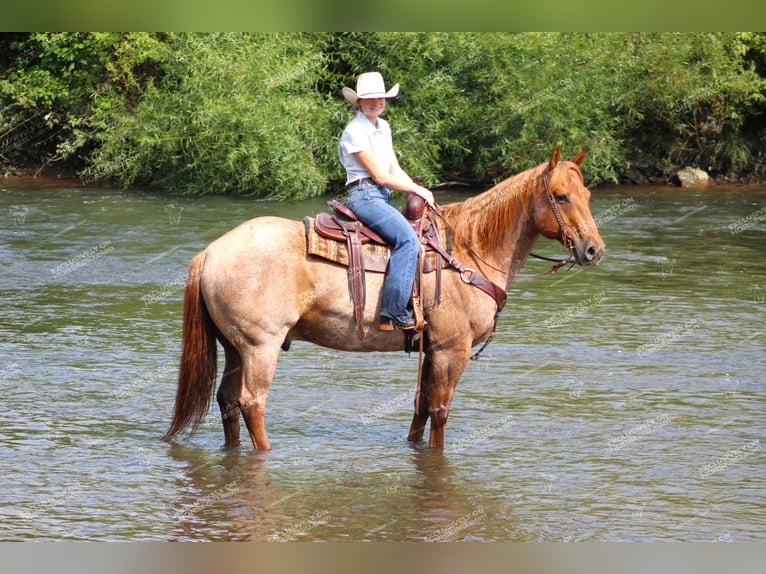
(361, 135)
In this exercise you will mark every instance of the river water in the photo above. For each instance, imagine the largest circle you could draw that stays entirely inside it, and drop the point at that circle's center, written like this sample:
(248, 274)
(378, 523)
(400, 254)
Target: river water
(623, 402)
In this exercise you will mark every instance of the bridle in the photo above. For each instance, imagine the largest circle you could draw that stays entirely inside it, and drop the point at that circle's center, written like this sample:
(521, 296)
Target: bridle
(566, 239)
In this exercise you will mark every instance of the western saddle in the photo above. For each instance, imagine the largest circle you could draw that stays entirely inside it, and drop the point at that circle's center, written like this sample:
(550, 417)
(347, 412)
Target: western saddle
(344, 226)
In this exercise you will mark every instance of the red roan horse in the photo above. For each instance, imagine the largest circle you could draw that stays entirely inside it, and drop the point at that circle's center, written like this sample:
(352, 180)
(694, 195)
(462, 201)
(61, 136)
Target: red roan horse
(255, 289)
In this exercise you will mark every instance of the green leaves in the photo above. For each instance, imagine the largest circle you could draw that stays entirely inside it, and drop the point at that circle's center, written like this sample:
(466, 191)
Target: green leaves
(232, 113)
(260, 114)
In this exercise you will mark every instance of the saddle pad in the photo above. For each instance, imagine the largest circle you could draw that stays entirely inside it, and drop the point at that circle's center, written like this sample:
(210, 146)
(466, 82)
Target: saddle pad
(375, 255)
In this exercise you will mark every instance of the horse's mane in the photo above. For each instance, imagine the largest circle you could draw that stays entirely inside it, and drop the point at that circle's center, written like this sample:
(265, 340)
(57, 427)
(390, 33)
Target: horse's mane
(480, 221)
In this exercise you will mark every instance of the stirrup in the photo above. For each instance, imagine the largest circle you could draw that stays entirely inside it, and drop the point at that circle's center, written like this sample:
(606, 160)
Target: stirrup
(417, 310)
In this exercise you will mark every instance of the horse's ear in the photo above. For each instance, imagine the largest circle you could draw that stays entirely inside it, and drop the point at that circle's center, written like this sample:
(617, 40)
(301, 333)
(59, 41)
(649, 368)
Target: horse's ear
(579, 158)
(555, 157)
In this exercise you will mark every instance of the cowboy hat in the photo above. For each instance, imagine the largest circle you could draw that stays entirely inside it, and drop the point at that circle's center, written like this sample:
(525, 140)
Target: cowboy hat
(369, 85)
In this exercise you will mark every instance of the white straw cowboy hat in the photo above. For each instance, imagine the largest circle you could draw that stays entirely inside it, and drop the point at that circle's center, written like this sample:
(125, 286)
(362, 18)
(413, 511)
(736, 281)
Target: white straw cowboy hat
(369, 85)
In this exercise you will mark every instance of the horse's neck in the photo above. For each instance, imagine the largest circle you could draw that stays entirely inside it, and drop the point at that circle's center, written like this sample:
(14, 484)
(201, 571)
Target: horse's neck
(515, 249)
(512, 251)
(511, 248)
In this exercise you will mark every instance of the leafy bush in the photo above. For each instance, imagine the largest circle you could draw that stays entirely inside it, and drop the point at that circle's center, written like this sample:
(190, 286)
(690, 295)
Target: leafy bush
(686, 99)
(45, 92)
(261, 114)
(232, 113)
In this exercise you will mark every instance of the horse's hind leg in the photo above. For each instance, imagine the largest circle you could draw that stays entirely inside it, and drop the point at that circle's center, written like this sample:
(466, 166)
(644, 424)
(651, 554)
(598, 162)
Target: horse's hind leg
(228, 394)
(420, 417)
(259, 364)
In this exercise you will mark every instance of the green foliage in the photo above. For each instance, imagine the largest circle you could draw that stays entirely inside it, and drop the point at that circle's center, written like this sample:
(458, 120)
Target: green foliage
(480, 106)
(232, 113)
(261, 114)
(56, 82)
(688, 99)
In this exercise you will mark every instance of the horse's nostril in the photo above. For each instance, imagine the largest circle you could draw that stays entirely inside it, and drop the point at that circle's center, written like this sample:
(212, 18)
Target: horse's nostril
(590, 254)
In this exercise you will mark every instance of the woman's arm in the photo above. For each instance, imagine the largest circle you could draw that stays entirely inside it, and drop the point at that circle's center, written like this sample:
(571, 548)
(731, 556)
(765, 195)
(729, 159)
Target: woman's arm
(396, 178)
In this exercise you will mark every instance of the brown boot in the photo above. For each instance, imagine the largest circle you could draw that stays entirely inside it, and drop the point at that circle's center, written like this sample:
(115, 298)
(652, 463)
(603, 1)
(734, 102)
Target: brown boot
(387, 324)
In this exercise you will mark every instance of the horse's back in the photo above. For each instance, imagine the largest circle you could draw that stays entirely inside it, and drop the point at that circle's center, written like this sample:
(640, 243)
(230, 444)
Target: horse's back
(262, 240)
(265, 228)
(252, 268)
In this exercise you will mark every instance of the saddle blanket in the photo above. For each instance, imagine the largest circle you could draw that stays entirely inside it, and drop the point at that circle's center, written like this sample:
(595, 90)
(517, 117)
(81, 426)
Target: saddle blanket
(375, 255)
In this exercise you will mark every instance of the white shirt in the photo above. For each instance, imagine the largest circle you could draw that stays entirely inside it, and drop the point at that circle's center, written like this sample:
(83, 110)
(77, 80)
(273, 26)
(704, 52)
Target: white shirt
(361, 135)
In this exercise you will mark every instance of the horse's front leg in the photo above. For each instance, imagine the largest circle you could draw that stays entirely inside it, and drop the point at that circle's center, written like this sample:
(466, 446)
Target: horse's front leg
(446, 371)
(420, 417)
(438, 422)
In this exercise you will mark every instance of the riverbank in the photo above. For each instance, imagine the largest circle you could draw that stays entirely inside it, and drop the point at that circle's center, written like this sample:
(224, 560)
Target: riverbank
(238, 114)
(52, 175)
(47, 175)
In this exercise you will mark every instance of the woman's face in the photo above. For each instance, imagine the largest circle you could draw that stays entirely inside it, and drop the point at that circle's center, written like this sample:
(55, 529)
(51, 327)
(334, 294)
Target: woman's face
(372, 107)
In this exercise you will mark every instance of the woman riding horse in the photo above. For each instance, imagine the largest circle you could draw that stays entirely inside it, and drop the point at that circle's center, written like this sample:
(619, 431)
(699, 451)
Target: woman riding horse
(366, 151)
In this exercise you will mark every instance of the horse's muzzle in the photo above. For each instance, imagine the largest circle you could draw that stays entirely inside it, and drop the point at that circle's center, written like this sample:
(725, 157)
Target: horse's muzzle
(589, 252)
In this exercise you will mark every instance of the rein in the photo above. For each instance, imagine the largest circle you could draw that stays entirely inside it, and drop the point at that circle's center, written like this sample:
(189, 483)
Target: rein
(557, 264)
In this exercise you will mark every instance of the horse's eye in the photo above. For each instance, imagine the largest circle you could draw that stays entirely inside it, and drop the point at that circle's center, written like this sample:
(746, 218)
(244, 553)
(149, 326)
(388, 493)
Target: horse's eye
(562, 198)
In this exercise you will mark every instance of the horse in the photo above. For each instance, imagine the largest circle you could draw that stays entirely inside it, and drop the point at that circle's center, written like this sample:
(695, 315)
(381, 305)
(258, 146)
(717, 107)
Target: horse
(254, 290)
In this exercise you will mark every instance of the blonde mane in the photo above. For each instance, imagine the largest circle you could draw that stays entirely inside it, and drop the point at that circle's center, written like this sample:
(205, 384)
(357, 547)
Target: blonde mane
(480, 221)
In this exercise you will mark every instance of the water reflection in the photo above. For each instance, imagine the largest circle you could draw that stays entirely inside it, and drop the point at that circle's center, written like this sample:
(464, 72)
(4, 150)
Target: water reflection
(218, 492)
(441, 498)
(238, 494)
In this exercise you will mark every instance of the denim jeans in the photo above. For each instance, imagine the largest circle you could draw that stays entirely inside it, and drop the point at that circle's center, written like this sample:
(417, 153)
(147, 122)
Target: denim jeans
(371, 203)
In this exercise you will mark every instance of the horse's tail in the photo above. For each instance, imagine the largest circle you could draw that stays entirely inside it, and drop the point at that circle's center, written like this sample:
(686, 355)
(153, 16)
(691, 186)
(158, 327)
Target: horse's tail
(197, 373)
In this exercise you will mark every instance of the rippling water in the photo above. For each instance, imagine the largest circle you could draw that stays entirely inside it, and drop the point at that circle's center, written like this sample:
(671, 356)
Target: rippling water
(623, 402)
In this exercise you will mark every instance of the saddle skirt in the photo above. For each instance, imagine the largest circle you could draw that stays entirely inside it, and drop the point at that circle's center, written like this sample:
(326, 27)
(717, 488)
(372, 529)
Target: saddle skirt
(328, 235)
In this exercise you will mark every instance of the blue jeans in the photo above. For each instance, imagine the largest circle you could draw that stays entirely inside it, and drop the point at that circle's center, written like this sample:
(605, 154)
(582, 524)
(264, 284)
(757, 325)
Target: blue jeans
(371, 203)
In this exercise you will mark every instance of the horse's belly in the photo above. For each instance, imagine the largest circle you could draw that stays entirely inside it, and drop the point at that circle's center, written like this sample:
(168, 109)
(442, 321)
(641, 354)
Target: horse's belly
(329, 322)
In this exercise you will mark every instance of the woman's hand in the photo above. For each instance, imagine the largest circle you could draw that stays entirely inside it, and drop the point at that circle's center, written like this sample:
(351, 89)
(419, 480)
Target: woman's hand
(426, 194)
(396, 178)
